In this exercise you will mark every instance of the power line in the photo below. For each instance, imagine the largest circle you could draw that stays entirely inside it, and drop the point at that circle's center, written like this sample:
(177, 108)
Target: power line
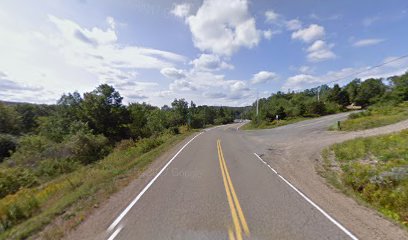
(368, 69)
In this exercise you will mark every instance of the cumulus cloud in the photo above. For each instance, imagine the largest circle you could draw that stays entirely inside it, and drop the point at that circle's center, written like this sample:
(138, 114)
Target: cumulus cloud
(293, 24)
(182, 85)
(342, 76)
(280, 22)
(271, 16)
(309, 34)
(214, 95)
(367, 42)
(223, 27)
(210, 62)
(181, 10)
(173, 73)
(263, 77)
(79, 57)
(320, 51)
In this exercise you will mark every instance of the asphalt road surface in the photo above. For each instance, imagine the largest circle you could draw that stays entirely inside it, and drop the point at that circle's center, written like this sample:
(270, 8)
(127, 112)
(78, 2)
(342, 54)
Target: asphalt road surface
(220, 187)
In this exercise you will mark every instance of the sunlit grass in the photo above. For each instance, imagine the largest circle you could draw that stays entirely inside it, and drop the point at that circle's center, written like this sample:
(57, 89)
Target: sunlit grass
(375, 116)
(375, 169)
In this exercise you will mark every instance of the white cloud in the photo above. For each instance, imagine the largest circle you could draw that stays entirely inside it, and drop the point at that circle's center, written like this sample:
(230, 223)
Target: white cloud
(343, 76)
(271, 16)
(263, 77)
(212, 86)
(63, 56)
(309, 34)
(293, 24)
(222, 27)
(320, 51)
(182, 85)
(305, 69)
(181, 10)
(173, 73)
(268, 34)
(368, 42)
(210, 62)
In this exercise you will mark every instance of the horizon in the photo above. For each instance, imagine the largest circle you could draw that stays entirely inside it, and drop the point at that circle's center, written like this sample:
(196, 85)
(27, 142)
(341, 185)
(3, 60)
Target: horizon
(250, 47)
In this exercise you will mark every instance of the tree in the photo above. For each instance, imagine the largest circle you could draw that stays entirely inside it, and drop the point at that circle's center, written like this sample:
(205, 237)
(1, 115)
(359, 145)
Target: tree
(138, 119)
(371, 90)
(352, 89)
(400, 87)
(180, 110)
(339, 96)
(281, 112)
(157, 121)
(103, 111)
(10, 121)
(317, 108)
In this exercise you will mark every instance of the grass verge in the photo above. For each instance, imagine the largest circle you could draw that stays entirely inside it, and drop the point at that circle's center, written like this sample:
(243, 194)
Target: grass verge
(74, 195)
(375, 116)
(273, 124)
(374, 170)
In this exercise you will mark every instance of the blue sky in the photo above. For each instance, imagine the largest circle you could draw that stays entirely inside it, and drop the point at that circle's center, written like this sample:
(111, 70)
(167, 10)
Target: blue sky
(212, 52)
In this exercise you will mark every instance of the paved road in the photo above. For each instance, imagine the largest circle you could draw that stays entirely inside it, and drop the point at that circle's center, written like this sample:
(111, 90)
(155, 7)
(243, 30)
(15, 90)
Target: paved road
(217, 188)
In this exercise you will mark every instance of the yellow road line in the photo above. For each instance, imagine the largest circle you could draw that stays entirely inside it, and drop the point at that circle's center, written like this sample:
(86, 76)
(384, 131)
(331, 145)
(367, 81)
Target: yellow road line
(229, 198)
(230, 234)
(234, 196)
(235, 207)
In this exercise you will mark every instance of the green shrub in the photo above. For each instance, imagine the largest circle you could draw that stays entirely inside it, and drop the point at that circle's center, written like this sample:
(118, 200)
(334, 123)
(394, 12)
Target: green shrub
(147, 144)
(30, 150)
(86, 147)
(51, 168)
(12, 179)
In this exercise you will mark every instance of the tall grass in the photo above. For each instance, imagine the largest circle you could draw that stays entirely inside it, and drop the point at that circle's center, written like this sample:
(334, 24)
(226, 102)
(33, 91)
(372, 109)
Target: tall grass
(30, 210)
(376, 116)
(376, 170)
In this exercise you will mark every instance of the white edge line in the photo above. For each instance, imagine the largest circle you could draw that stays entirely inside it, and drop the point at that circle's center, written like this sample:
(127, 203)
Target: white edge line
(127, 209)
(310, 201)
(115, 233)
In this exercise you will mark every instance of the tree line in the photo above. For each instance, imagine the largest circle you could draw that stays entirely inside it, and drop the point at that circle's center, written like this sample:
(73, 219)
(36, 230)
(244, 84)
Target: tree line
(325, 100)
(39, 142)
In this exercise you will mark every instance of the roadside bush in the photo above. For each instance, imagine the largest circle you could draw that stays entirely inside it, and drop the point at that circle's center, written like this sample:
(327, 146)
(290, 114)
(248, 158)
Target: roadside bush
(51, 168)
(86, 147)
(147, 144)
(8, 144)
(30, 150)
(12, 179)
(16, 208)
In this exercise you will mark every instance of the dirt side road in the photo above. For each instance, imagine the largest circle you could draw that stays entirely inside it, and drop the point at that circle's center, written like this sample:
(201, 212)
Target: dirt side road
(294, 151)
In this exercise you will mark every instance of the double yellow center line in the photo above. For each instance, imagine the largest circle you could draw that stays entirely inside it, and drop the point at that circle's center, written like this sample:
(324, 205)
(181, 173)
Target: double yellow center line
(238, 218)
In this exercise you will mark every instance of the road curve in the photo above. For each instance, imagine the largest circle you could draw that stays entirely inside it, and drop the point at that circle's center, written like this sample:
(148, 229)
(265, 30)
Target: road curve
(224, 183)
(216, 188)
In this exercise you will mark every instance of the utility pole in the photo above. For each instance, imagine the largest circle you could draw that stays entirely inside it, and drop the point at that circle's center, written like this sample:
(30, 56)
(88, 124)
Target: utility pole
(257, 104)
(318, 94)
